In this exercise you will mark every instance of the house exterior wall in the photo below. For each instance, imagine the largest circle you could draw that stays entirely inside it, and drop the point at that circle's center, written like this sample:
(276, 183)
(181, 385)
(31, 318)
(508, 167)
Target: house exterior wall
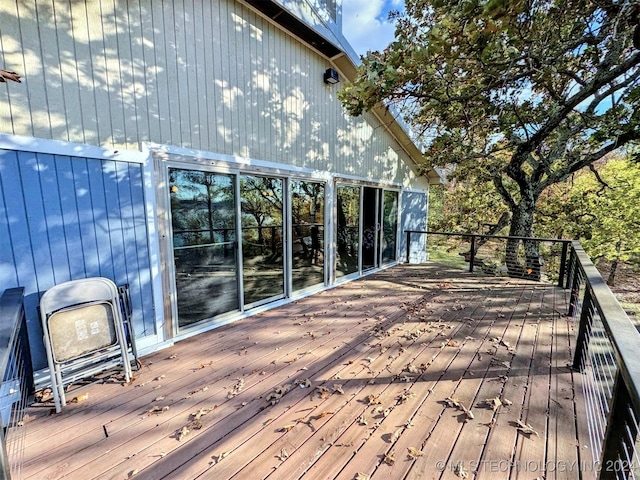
(65, 217)
(414, 206)
(201, 81)
(212, 75)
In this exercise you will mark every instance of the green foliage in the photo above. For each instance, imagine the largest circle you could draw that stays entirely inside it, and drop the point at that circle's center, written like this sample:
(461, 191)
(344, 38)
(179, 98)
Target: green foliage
(470, 206)
(613, 225)
(518, 93)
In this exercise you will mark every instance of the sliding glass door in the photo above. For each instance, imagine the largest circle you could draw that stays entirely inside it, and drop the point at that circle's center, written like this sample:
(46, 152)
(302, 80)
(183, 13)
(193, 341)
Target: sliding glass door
(203, 221)
(370, 227)
(262, 238)
(307, 234)
(367, 228)
(347, 230)
(389, 227)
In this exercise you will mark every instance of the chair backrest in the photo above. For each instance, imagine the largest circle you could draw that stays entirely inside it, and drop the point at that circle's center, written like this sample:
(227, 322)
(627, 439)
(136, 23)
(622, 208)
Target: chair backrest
(76, 292)
(82, 317)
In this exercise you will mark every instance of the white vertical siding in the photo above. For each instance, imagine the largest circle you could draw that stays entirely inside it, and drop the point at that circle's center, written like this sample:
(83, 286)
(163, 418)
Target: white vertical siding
(414, 217)
(211, 75)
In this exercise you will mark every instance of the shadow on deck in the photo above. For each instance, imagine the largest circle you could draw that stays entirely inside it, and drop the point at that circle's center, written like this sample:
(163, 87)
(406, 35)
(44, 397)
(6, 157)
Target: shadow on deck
(413, 372)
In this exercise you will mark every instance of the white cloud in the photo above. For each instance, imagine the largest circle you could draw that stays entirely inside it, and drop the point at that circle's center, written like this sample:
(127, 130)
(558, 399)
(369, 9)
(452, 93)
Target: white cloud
(365, 24)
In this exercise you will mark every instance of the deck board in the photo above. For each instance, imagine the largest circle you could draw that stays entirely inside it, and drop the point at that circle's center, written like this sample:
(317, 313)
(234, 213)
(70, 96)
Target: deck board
(406, 338)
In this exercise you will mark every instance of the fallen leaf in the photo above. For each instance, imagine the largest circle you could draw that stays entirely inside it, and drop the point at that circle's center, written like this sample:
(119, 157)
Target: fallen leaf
(526, 429)
(452, 402)
(306, 383)
(27, 418)
(158, 409)
(362, 420)
(237, 388)
(361, 476)
(404, 396)
(389, 458)
(278, 392)
(414, 452)
(372, 400)
(321, 415)
(200, 413)
(494, 403)
(460, 471)
(337, 388)
(323, 392)
(411, 368)
(283, 455)
(467, 412)
(396, 435)
(286, 428)
(80, 398)
(184, 431)
(217, 459)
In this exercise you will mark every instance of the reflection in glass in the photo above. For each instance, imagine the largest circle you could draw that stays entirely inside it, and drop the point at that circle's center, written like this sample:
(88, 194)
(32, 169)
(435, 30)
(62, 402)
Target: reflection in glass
(203, 224)
(307, 209)
(370, 227)
(347, 233)
(389, 226)
(262, 234)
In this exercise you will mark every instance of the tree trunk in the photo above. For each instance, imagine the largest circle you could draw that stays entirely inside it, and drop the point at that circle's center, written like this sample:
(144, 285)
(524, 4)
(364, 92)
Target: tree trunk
(522, 226)
(611, 279)
(503, 221)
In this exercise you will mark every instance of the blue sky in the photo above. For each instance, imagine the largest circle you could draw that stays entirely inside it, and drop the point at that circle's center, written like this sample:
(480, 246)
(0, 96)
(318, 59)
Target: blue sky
(365, 24)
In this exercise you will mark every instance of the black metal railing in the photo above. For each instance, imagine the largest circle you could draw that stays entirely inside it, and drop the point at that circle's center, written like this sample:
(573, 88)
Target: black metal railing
(606, 354)
(17, 381)
(524, 257)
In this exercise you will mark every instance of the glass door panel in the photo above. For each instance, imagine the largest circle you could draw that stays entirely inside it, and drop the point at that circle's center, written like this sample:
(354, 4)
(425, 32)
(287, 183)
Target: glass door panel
(348, 229)
(370, 227)
(307, 228)
(262, 235)
(389, 226)
(203, 217)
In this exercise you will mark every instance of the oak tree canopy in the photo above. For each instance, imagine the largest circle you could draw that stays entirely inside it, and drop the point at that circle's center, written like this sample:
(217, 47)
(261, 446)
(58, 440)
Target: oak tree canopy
(521, 93)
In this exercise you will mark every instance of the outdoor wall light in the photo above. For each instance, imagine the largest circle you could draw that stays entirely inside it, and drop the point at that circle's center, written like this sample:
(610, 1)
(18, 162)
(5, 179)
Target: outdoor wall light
(331, 76)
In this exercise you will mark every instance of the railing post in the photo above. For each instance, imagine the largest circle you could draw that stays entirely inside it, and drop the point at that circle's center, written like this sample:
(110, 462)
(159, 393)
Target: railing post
(613, 460)
(563, 264)
(572, 268)
(408, 244)
(472, 256)
(575, 289)
(583, 330)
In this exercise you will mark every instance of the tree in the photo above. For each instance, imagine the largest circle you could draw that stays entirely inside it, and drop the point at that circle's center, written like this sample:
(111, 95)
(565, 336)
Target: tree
(522, 93)
(612, 203)
(467, 206)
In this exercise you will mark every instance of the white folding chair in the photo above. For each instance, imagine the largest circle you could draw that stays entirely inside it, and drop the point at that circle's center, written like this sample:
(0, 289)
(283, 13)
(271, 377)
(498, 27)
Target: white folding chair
(83, 328)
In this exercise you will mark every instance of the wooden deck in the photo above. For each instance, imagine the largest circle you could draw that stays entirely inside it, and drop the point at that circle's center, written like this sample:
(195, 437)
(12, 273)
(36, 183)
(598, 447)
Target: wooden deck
(360, 381)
